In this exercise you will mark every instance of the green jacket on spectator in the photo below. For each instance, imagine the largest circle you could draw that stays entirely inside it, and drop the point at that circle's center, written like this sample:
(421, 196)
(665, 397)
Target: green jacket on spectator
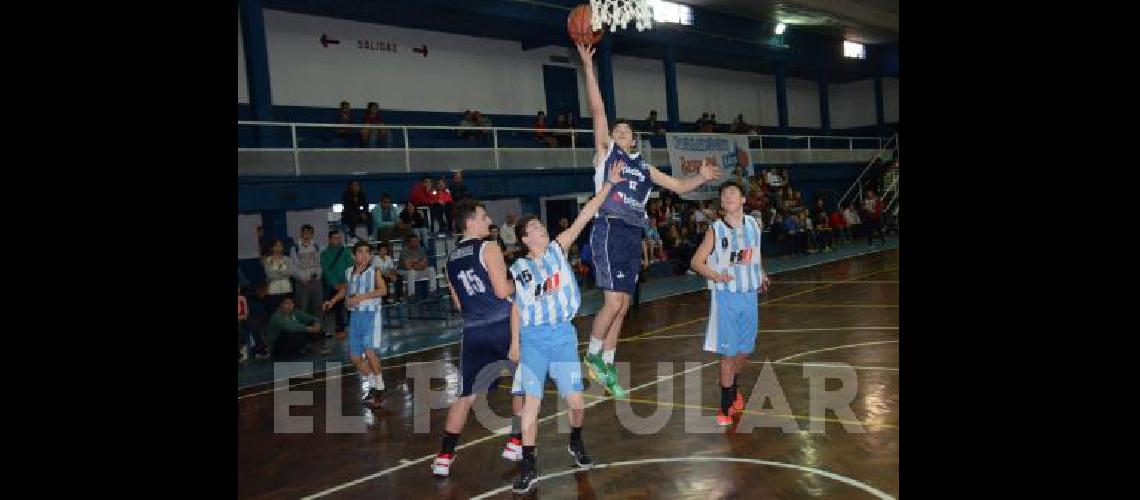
(332, 266)
(297, 321)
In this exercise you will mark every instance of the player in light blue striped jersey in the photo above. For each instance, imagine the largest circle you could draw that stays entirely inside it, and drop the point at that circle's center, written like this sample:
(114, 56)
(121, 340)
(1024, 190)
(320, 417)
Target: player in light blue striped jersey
(729, 257)
(364, 286)
(543, 340)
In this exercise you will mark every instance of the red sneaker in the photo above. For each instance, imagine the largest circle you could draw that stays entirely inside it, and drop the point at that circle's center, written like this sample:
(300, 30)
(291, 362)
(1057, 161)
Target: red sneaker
(513, 451)
(722, 419)
(738, 405)
(442, 464)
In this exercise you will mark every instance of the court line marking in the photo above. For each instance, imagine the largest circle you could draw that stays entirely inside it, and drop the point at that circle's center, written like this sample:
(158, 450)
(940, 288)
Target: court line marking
(404, 463)
(495, 434)
(830, 364)
(440, 346)
(869, 306)
(351, 370)
(881, 281)
(782, 271)
(835, 348)
(713, 408)
(783, 297)
(811, 470)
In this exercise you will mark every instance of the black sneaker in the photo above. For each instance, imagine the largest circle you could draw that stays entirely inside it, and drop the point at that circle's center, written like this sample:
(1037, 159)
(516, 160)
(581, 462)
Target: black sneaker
(581, 459)
(528, 475)
(376, 394)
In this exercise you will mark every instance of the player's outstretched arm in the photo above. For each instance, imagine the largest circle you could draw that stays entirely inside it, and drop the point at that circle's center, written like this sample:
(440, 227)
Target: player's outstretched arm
(565, 238)
(597, 107)
(709, 172)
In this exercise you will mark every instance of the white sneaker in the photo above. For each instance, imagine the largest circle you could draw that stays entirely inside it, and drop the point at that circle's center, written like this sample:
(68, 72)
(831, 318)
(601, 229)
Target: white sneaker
(244, 351)
(442, 464)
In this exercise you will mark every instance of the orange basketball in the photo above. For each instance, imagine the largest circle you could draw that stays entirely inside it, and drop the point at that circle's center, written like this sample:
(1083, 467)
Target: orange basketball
(578, 24)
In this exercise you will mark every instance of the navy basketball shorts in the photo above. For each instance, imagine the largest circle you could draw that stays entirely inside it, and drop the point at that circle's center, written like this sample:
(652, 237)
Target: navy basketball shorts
(617, 254)
(483, 355)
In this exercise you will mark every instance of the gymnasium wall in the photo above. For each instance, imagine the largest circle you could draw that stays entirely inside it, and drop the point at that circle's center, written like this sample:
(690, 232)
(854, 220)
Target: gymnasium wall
(375, 63)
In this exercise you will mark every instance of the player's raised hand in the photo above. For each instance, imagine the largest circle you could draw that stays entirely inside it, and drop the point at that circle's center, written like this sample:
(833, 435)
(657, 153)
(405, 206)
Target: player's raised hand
(709, 170)
(615, 172)
(587, 53)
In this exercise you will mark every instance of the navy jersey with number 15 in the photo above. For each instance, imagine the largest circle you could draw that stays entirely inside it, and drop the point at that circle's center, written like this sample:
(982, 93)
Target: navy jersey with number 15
(468, 277)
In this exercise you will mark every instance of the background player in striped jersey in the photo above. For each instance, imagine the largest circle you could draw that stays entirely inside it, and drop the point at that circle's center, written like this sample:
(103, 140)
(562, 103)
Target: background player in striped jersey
(546, 299)
(615, 238)
(477, 275)
(362, 292)
(729, 257)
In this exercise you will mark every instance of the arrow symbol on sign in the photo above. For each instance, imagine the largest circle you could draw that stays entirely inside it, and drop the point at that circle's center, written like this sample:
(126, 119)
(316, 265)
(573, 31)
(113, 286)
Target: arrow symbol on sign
(422, 50)
(325, 41)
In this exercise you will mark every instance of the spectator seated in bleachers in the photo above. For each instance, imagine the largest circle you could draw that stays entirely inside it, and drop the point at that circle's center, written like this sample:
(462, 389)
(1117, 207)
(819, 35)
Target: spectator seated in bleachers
(739, 126)
(413, 266)
(386, 265)
(291, 330)
(823, 231)
(415, 221)
(542, 135)
(653, 126)
(654, 245)
(468, 120)
(374, 137)
(386, 220)
(346, 137)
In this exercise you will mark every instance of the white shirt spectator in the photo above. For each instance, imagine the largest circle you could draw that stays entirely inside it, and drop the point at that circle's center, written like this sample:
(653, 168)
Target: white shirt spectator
(507, 233)
(851, 217)
(775, 179)
(385, 264)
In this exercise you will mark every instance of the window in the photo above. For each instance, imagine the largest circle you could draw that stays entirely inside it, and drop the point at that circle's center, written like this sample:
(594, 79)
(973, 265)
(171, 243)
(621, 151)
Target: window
(669, 12)
(854, 50)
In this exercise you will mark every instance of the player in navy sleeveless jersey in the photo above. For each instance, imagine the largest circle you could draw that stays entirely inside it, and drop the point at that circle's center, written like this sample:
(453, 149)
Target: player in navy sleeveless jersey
(480, 288)
(364, 287)
(616, 236)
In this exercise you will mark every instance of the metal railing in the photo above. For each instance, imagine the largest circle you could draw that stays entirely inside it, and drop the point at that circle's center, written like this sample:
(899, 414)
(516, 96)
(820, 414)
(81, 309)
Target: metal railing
(398, 154)
(890, 143)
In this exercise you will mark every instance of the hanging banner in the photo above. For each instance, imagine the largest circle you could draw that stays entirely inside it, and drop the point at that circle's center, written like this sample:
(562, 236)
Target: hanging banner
(688, 151)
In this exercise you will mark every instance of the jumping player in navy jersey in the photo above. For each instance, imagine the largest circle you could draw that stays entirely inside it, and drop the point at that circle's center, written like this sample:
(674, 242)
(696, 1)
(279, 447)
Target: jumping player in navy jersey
(616, 236)
(480, 288)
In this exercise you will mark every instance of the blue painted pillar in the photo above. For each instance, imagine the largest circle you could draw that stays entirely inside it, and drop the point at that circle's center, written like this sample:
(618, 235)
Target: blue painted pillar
(824, 102)
(256, 63)
(671, 106)
(606, 77)
(782, 97)
(879, 115)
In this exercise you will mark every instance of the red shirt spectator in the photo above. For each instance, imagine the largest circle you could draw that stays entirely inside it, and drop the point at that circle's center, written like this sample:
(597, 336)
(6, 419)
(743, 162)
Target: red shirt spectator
(837, 220)
(421, 193)
(372, 115)
(444, 194)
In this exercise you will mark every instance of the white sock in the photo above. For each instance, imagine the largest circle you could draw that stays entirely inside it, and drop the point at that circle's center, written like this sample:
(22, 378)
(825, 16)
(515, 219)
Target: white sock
(608, 356)
(379, 381)
(365, 383)
(595, 345)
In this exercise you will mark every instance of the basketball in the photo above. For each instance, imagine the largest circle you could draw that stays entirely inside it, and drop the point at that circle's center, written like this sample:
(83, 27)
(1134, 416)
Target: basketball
(578, 24)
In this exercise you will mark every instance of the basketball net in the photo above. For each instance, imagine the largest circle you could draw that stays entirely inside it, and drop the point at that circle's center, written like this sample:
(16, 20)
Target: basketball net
(618, 13)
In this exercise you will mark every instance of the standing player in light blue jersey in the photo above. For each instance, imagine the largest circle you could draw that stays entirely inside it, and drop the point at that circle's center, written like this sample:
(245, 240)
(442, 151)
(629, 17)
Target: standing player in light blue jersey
(729, 257)
(363, 289)
(615, 238)
(545, 300)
